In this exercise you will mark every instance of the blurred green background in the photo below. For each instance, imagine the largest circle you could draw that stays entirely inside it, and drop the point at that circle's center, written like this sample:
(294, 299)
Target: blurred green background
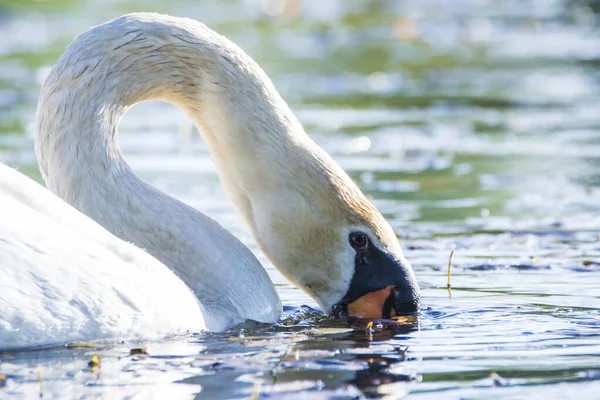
(443, 111)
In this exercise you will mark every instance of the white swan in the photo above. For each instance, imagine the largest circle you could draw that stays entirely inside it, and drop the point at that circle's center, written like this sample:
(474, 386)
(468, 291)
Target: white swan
(306, 214)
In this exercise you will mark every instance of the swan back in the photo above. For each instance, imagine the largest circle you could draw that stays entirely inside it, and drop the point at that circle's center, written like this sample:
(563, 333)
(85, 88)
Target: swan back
(65, 278)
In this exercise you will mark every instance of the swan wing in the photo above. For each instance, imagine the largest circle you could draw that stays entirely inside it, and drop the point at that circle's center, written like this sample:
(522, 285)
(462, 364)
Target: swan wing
(63, 278)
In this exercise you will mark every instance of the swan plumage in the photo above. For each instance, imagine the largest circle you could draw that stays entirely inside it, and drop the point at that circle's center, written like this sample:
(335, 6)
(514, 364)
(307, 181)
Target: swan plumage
(64, 278)
(295, 200)
(101, 74)
(298, 204)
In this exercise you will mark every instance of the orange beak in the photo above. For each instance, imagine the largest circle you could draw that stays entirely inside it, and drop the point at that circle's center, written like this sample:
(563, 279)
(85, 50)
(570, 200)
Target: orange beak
(370, 305)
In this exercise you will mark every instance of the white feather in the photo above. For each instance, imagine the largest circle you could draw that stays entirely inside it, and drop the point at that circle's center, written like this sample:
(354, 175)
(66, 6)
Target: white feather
(64, 278)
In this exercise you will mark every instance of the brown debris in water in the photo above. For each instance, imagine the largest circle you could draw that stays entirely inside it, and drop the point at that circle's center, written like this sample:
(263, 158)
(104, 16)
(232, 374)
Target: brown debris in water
(139, 350)
(588, 263)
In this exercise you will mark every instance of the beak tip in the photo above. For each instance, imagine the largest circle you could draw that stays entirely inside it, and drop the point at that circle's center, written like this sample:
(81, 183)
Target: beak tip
(408, 304)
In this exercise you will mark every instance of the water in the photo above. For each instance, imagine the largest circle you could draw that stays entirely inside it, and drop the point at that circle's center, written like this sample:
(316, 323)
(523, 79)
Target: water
(474, 126)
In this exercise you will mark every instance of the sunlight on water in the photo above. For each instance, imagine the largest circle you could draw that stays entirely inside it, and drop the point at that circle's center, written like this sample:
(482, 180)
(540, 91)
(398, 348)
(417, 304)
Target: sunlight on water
(473, 126)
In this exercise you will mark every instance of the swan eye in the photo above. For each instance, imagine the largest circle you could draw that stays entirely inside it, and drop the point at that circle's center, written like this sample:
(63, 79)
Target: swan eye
(359, 240)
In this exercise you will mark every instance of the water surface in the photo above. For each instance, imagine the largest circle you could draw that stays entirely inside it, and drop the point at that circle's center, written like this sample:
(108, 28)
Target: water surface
(473, 125)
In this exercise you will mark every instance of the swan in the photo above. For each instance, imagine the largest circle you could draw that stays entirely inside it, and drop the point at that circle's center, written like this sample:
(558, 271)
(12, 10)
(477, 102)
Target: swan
(306, 214)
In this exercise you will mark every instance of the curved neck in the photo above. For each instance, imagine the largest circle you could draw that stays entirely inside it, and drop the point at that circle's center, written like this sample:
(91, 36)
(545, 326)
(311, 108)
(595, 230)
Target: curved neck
(145, 57)
(247, 126)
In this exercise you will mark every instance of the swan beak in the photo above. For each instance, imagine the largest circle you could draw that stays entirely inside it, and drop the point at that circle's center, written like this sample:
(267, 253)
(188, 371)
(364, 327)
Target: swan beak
(383, 286)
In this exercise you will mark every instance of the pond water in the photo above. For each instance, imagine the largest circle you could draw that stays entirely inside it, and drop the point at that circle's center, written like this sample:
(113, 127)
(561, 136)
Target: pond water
(474, 126)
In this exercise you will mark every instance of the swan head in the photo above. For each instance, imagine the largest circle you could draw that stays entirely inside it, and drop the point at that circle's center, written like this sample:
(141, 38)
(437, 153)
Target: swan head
(383, 284)
(327, 238)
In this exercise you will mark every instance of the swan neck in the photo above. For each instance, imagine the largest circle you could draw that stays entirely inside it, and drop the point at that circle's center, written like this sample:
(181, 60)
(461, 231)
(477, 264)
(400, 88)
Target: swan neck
(102, 74)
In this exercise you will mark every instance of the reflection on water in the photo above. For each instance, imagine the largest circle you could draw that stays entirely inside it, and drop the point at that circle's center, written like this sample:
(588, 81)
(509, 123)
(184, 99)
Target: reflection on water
(473, 125)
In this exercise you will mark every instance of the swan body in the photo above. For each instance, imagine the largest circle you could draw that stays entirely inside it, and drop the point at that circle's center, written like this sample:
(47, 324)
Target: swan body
(64, 278)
